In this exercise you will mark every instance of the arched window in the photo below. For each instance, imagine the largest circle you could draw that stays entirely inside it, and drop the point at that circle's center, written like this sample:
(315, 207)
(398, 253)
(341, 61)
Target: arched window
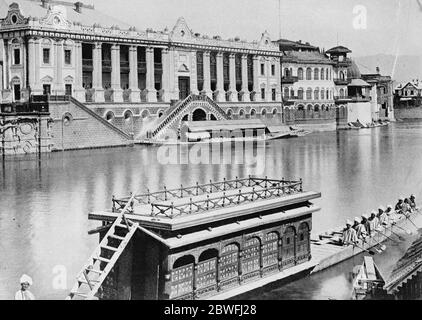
(182, 277)
(110, 116)
(128, 115)
(327, 95)
(253, 113)
(207, 272)
(241, 113)
(286, 72)
(309, 107)
(316, 108)
(309, 94)
(229, 113)
(316, 94)
(341, 93)
(322, 74)
(322, 94)
(264, 112)
(316, 74)
(300, 73)
(300, 94)
(342, 75)
(327, 77)
(309, 74)
(292, 92)
(286, 93)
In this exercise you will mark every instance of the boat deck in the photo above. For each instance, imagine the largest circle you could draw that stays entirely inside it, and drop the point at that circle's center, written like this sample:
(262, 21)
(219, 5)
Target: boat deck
(325, 254)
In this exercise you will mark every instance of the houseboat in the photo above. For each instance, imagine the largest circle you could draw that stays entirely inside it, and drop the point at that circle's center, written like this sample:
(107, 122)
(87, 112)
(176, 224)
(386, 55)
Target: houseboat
(206, 241)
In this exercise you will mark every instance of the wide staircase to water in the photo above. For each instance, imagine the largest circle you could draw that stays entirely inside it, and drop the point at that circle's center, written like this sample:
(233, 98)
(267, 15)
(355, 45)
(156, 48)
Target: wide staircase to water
(173, 116)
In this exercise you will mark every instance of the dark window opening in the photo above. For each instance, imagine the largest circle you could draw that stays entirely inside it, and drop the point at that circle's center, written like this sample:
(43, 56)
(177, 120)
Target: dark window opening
(17, 56)
(68, 57)
(46, 56)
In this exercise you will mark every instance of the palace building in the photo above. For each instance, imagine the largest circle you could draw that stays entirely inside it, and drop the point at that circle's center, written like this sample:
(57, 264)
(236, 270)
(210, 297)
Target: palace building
(108, 83)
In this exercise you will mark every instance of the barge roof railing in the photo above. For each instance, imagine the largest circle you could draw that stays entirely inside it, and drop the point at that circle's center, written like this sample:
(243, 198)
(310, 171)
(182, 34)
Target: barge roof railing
(172, 203)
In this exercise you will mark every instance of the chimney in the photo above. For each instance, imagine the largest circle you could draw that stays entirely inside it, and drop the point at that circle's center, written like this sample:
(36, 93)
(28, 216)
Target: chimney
(78, 6)
(378, 70)
(45, 3)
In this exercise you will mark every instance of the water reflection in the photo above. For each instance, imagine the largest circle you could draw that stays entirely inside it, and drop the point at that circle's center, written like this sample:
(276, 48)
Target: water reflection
(44, 205)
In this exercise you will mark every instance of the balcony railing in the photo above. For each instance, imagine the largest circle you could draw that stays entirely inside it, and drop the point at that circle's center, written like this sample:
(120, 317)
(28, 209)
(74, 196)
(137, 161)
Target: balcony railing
(352, 99)
(24, 108)
(289, 79)
(341, 82)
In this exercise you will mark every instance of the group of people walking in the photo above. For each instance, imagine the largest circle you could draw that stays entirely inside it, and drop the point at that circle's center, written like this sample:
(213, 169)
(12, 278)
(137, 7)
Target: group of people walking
(368, 226)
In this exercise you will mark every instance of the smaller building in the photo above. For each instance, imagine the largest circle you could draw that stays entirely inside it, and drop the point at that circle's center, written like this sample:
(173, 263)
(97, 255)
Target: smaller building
(408, 94)
(405, 282)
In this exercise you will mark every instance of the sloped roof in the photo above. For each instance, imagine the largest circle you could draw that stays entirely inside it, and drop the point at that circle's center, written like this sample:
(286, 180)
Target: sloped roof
(286, 45)
(406, 268)
(415, 84)
(87, 17)
(339, 49)
(359, 83)
(308, 56)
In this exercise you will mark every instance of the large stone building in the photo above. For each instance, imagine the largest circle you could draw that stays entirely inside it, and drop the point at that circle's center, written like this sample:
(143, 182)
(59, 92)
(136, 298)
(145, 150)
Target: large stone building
(107, 76)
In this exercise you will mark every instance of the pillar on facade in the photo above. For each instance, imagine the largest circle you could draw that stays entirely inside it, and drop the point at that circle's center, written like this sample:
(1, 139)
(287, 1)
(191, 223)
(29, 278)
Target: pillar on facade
(79, 90)
(174, 80)
(256, 76)
(194, 74)
(268, 75)
(97, 73)
(58, 88)
(232, 87)
(115, 74)
(165, 83)
(33, 66)
(135, 93)
(207, 75)
(151, 93)
(245, 80)
(279, 93)
(221, 94)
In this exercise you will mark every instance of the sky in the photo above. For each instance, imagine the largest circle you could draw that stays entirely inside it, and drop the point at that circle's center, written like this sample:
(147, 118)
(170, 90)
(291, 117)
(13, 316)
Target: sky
(392, 26)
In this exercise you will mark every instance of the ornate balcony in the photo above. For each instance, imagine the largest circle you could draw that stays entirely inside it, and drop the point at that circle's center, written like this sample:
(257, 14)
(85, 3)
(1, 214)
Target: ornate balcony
(341, 82)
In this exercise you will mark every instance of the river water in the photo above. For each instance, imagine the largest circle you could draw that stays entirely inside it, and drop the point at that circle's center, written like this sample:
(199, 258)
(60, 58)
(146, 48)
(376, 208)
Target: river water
(44, 203)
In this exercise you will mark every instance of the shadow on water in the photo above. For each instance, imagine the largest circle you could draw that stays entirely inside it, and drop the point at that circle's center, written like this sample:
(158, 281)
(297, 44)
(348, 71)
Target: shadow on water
(44, 204)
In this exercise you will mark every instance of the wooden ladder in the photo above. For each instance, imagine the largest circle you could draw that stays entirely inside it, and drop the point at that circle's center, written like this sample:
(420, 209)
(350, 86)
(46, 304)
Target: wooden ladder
(105, 256)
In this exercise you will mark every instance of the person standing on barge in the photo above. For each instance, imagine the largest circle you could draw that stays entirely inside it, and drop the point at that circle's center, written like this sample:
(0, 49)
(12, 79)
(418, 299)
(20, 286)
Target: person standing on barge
(413, 202)
(361, 227)
(349, 235)
(382, 216)
(399, 205)
(373, 223)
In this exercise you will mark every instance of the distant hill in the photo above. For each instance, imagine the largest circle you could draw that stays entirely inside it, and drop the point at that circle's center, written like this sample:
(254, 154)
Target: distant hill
(407, 67)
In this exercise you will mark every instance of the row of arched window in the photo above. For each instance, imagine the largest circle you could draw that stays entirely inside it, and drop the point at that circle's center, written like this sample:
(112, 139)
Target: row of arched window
(310, 74)
(309, 94)
(214, 271)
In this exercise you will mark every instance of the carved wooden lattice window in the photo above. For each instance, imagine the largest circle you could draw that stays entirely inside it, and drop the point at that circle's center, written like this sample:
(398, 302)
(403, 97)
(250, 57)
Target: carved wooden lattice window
(288, 252)
(207, 269)
(251, 256)
(303, 247)
(270, 250)
(182, 279)
(229, 262)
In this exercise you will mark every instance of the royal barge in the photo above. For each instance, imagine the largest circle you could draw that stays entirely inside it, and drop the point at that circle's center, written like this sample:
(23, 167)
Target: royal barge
(199, 242)
(212, 241)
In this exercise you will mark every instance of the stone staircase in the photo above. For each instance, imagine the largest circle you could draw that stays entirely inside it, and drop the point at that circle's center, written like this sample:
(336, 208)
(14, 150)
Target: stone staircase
(173, 116)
